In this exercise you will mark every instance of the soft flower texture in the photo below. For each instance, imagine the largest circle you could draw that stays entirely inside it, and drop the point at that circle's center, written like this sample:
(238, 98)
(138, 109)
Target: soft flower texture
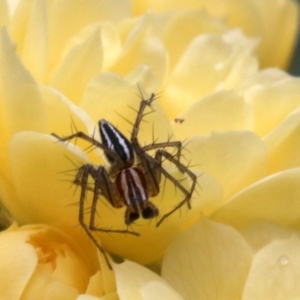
(65, 65)
(41, 260)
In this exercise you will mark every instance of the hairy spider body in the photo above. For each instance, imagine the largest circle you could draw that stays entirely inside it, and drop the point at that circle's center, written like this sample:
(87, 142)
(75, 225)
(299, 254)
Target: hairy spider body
(131, 187)
(133, 177)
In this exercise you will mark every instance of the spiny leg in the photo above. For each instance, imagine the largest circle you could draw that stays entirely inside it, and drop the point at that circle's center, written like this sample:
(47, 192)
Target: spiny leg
(91, 140)
(140, 114)
(86, 171)
(184, 169)
(102, 183)
(174, 144)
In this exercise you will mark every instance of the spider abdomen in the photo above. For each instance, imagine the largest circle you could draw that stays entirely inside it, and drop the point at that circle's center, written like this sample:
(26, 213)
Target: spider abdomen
(132, 188)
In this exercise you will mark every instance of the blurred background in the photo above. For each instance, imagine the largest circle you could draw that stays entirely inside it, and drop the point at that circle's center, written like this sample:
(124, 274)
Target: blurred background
(295, 64)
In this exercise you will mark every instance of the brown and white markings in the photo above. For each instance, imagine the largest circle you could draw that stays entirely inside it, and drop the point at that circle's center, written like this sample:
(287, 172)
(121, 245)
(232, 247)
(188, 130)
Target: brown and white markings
(133, 177)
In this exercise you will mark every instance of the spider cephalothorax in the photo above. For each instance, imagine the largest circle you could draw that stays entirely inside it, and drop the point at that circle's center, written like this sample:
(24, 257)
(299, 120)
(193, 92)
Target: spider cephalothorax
(133, 177)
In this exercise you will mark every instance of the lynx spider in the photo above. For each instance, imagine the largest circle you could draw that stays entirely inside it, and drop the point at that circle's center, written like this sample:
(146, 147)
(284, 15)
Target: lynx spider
(127, 183)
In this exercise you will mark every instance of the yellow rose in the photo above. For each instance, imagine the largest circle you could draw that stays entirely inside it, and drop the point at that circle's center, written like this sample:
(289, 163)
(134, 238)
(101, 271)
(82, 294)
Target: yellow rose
(63, 63)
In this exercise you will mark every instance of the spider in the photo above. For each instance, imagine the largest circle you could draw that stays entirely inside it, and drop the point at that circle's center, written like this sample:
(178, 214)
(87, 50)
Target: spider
(133, 177)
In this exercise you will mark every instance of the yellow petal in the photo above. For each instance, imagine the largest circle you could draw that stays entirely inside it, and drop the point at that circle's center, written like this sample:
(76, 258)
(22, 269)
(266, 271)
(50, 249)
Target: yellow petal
(280, 22)
(144, 76)
(273, 95)
(110, 41)
(112, 296)
(42, 283)
(34, 50)
(14, 277)
(275, 271)
(275, 198)
(157, 290)
(181, 27)
(211, 61)
(111, 97)
(260, 233)
(22, 107)
(36, 161)
(95, 286)
(283, 144)
(133, 282)
(234, 159)
(143, 48)
(80, 65)
(208, 261)
(4, 13)
(220, 111)
(63, 12)
(270, 20)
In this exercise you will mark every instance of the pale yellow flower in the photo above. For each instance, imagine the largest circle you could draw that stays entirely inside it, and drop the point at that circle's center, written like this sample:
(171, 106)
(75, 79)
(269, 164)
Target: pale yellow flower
(41, 261)
(64, 62)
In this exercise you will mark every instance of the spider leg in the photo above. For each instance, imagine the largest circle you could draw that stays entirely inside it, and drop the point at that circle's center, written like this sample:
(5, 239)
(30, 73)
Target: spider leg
(174, 144)
(91, 140)
(184, 169)
(84, 172)
(102, 183)
(140, 114)
(82, 179)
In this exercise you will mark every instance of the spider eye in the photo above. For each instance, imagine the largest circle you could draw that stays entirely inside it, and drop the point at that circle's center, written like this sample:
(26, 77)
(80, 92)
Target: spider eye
(115, 140)
(149, 212)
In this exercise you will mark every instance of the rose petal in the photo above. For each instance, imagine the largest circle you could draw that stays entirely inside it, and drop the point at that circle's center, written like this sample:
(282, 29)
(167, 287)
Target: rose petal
(42, 283)
(271, 20)
(36, 161)
(220, 111)
(95, 286)
(132, 280)
(275, 271)
(283, 144)
(275, 199)
(13, 280)
(279, 22)
(23, 106)
(260, 233)
(264, 91)
(109, 95)
(34, 51)
(234, 159)
(80, 65)
(182, 26)
(113, 296)
(157, 290)
(210, 61)
(4, 13)
(145, 77)
(142, 48)
(63, 12)
(208, 261)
